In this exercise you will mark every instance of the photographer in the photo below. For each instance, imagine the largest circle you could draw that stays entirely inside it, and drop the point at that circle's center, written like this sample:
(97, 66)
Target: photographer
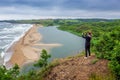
(87, 38)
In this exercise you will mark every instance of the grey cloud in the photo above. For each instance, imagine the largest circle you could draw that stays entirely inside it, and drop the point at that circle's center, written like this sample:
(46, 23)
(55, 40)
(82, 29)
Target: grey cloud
(74, 8)
(95, 5)
(42, 4)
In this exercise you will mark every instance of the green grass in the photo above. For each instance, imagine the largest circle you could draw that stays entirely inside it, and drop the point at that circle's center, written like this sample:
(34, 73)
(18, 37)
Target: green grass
(97, 76)
(94, 61)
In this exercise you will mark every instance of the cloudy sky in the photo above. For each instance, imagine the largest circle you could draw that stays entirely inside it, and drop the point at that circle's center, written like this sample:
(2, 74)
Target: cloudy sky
(36, 9)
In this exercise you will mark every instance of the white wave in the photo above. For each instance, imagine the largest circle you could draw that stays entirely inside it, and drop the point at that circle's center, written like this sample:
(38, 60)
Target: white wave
(14, 28)
(9, 34)
(22, 28)
(4, 37)
(2, 54)
(4, 47)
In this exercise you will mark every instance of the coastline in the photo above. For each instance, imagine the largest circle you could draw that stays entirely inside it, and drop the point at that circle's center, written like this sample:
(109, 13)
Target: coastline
(28, 48)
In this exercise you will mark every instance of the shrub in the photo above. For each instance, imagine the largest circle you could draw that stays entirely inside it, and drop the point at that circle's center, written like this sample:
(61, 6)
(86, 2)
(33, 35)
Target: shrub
(10, 74)
(115, 62)
(42, 62)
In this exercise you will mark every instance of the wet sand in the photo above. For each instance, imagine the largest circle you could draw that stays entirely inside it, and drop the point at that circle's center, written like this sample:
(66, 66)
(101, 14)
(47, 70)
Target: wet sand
(28, 48)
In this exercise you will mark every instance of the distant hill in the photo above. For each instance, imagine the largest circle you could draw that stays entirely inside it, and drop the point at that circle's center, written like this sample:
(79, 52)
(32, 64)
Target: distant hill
(33, 21)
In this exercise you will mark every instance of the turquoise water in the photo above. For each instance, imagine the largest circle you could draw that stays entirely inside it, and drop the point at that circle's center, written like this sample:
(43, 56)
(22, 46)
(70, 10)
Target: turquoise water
(71, 44)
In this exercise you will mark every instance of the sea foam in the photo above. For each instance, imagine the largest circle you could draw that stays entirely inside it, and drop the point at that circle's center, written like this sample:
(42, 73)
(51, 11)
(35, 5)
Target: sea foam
(10, 34)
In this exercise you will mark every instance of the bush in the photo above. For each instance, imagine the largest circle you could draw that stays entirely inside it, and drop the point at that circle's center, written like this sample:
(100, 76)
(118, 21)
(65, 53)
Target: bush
(115, 62)
(42, 62)
(10, 74)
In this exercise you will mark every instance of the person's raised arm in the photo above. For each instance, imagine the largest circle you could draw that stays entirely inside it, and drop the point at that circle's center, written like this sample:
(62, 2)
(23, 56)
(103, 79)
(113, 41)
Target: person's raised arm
(83, 35)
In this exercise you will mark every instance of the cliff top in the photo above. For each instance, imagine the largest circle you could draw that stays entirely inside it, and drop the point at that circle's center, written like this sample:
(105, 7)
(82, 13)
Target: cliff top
(79, 68)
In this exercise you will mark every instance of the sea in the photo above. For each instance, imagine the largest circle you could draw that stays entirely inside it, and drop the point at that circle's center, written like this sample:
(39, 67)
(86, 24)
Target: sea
(9, 34)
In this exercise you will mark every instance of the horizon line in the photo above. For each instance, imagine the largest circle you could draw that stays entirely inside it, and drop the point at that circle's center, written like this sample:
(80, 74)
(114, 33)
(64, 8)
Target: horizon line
(62, 18)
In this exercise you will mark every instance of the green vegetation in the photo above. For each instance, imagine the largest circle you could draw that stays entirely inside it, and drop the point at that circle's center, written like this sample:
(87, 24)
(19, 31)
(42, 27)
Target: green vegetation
(14, 73)
(10, 74)
(44, 69)
(115, 61)
(93, 76)
(45, 22)
(38, 74)
(105, 40)
(94, 61)
(42, 62)
(105, 44)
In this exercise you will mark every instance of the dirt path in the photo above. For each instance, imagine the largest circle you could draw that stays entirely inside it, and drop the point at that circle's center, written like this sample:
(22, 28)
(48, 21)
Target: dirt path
(78, 69)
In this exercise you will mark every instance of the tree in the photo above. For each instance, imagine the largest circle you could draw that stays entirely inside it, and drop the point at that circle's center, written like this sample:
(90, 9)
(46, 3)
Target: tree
(42, 62)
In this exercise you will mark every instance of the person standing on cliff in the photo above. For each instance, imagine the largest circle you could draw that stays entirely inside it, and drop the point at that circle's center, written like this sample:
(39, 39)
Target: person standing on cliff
(87, 37)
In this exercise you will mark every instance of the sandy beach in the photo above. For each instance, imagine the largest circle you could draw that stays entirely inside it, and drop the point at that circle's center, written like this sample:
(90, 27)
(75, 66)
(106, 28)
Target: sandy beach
(28, 48)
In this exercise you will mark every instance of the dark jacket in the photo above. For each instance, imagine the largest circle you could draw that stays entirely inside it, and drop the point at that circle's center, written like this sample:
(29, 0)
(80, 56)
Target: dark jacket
(87, 39)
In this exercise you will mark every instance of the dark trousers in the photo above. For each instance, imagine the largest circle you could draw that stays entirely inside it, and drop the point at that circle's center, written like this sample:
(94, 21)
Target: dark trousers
(87, 50)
